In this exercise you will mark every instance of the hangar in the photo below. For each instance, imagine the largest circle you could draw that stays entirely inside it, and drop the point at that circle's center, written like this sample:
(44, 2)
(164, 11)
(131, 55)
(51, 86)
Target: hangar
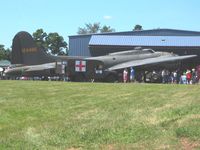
(178, 41)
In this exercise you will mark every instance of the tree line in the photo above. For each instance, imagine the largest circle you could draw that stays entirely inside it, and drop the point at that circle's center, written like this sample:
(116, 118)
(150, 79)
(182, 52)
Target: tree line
(51, 43)
(5, 53)
(94, 28)
(54, 44)
(97, 28)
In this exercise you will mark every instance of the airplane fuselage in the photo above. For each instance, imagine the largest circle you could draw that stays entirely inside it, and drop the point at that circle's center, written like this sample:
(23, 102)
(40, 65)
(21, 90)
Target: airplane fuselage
(117, 58)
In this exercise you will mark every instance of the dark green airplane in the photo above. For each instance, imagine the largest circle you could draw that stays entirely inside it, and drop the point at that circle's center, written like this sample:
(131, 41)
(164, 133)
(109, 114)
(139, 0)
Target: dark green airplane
(30, 61)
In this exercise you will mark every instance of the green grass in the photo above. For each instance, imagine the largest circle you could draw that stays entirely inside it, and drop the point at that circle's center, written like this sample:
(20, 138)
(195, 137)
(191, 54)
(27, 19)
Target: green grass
(61, 115)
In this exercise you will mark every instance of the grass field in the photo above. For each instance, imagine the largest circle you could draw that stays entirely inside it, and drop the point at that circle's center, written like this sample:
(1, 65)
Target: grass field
(61, 115)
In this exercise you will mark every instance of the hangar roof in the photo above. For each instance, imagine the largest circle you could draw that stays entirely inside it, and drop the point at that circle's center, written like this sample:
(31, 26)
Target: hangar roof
(113, 40)
(151, 32)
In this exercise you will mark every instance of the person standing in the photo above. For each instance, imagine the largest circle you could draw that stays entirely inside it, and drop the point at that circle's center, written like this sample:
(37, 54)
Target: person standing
(183, 79)
(132, 74)
(194, 76)
(188, 76)
(165, 77)
(198, 73)
(125, 76)
(174, 76)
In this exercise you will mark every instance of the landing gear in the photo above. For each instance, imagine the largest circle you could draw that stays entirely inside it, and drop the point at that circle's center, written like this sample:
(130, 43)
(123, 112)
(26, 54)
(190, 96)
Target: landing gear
(153, 77)
(111, 78)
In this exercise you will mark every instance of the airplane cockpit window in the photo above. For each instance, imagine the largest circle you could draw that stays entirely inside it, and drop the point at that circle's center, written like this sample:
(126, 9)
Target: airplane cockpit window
(133, 52)
(149, 50)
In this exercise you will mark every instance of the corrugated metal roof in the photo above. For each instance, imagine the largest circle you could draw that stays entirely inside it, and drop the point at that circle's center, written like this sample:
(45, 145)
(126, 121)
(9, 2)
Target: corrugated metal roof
(151, 32)
(181, 41)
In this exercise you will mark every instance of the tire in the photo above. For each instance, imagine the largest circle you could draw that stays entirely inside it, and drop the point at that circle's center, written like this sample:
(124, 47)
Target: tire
(111, 78)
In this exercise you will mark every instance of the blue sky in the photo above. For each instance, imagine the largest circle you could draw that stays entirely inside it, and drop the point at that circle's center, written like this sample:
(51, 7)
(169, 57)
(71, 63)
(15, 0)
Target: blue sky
(65, 16)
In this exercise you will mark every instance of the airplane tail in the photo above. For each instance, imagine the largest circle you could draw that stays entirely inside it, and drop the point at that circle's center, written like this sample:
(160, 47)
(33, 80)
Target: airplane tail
(25, 51)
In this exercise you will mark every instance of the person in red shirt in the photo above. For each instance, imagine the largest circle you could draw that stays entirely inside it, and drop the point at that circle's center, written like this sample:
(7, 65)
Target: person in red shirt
(188, 76)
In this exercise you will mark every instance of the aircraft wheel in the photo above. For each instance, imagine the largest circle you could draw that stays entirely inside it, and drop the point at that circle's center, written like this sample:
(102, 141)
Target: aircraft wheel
(156, 78)
(111, 78)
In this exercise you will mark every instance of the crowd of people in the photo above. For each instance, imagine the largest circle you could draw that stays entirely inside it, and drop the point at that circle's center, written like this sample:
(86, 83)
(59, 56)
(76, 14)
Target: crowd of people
(181, 77)
(189, 76)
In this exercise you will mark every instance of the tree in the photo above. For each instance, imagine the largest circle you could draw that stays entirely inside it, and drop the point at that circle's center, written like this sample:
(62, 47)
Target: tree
(137, 27)
(56, 44)
(40, 39)
(107, 29)
(89, 28)
(82, 31)
(5, 54)
(51, 43)
(1, 52)
(94, 28)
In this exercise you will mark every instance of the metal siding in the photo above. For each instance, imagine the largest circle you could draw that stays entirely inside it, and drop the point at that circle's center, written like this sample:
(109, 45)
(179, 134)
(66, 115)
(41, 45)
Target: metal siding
(183, 41)
(78, 46)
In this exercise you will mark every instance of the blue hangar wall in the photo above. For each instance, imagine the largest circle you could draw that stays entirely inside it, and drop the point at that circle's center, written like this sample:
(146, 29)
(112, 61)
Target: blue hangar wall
(181, 41)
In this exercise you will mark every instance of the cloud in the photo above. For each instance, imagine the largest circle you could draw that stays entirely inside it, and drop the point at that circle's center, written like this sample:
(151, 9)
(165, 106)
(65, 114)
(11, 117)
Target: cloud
(107, 17)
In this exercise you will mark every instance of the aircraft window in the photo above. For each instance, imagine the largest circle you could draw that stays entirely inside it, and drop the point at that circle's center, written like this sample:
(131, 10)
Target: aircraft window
(114, 58)
(149, 50)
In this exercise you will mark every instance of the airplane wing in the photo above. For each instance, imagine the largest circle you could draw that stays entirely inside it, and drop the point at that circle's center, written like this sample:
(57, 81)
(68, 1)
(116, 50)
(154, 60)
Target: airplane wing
(149, 61)
(40, 67)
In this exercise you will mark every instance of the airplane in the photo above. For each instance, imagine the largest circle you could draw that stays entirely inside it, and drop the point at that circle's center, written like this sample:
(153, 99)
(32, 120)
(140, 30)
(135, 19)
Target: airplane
(30, 61)
(142, 60)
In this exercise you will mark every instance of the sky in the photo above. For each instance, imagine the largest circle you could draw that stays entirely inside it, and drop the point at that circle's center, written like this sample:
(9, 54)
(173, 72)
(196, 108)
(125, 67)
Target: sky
(66, 16)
